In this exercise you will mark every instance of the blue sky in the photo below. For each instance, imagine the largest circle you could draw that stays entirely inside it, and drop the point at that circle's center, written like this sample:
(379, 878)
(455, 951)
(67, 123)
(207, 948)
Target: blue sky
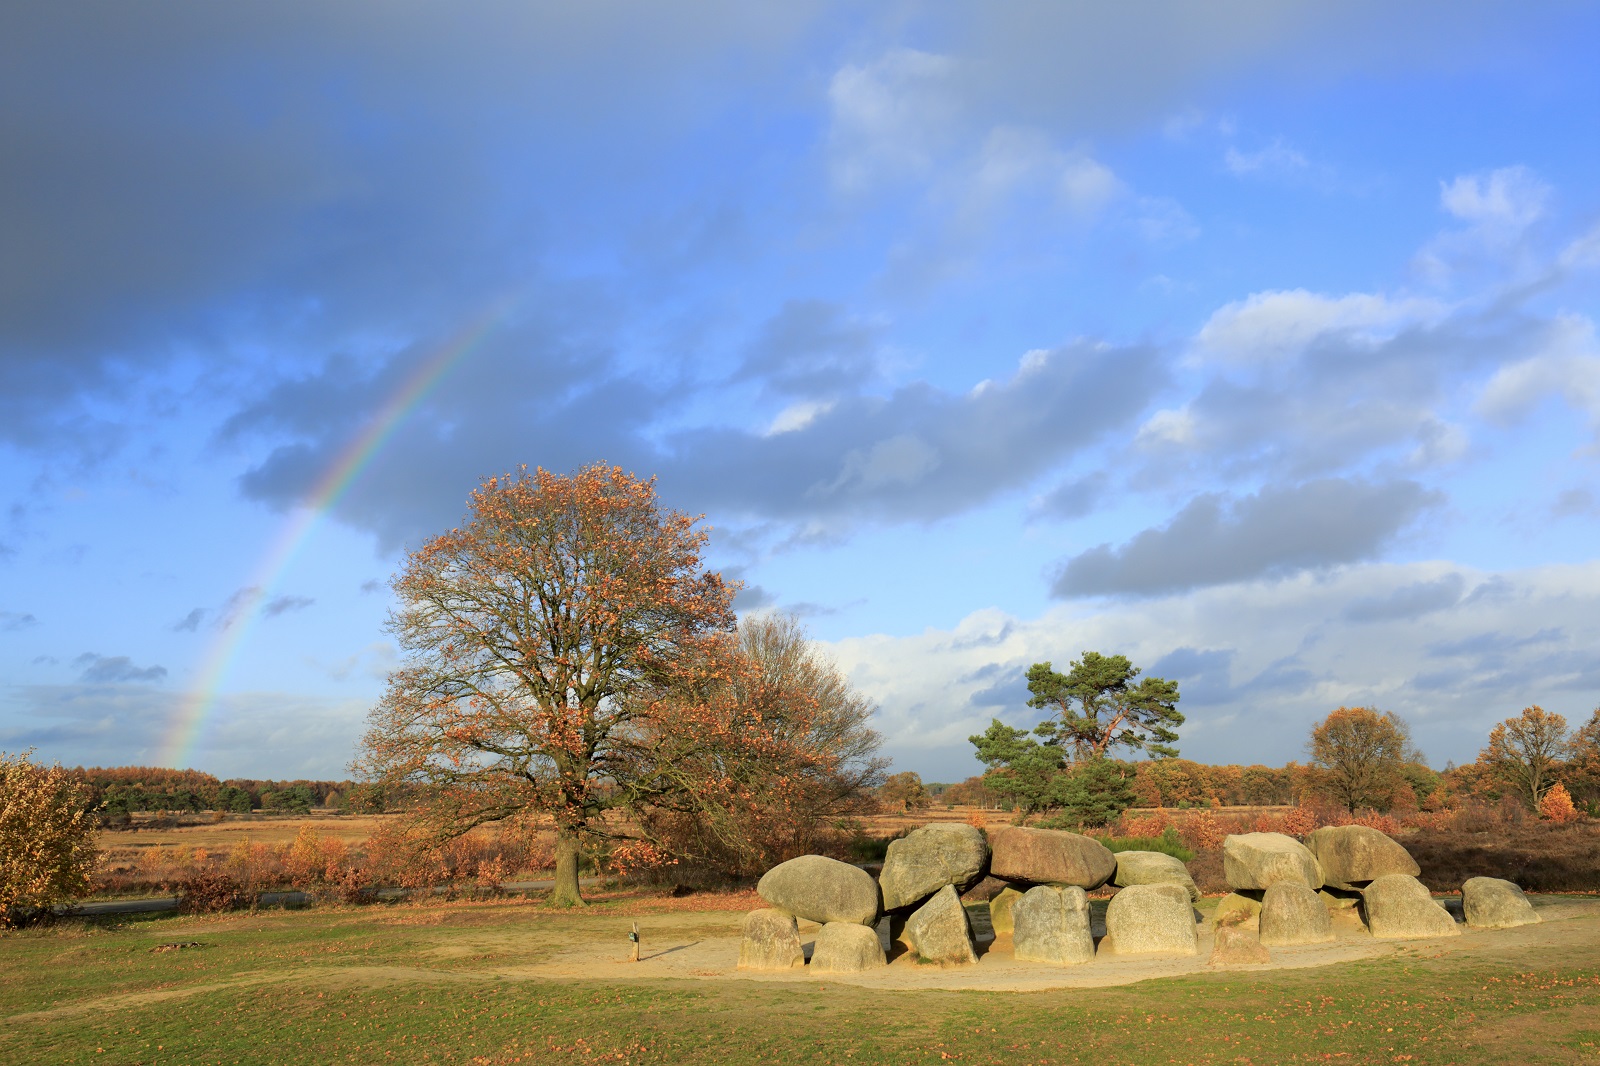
(1255, 341)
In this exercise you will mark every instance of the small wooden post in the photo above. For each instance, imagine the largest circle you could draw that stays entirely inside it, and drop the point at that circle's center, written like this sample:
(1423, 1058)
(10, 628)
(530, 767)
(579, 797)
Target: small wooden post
(634, 936)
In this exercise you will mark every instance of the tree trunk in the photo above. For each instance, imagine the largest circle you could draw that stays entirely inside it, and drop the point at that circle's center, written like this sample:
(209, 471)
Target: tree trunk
(566, 892)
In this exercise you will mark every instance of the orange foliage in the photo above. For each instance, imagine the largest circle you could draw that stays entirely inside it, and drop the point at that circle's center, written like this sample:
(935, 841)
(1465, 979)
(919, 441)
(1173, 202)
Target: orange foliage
(1556, 806)
(46, 839)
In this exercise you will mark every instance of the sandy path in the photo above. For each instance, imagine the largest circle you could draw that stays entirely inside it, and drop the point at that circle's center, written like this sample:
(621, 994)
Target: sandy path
(716, 957)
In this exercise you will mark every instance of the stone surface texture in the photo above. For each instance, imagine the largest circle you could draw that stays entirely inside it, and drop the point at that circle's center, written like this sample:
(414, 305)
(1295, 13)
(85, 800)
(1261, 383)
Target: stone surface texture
(1052, 925)
(1050, 857)
(1292, 914)
(1235, 947)
(1352, 855)
(939, 930)
(820, 889)
(1001, 906)
(1151, 920)
(1152, 868)
(1490, 903)
(925, 860)
(845, 947)
(1246, 903)
(771, 941)
(1261, 860)
(1398, 907)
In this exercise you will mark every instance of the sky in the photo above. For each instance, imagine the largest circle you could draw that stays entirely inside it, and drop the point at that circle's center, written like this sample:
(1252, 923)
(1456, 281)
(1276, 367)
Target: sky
(1253, 340)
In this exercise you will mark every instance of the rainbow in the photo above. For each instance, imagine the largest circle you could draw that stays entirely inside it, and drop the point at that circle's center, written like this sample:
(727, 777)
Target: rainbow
(199, 702)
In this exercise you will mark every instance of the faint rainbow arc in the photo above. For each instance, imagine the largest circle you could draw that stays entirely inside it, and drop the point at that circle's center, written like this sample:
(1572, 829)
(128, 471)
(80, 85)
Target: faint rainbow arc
(200, 699)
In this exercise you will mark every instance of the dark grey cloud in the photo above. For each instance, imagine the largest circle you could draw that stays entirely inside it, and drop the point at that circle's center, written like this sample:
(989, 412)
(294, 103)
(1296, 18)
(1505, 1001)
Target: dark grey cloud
(15, 621)
(1575, 503)
(283, 604)
(1202, 675)
(1007, 689)
(370, 586)
(190, 622)
(1279, 530)
(811, 348)
(114, 670)
(1412, 601)
(916, 454)
(919, 453)
(753, 598)
(1074, 498)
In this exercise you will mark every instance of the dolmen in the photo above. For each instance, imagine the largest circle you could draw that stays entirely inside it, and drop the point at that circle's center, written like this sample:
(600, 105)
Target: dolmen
(840, 897)
(1286, 892)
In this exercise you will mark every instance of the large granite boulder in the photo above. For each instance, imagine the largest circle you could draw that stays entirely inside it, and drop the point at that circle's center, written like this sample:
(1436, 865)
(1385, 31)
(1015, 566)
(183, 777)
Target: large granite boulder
(1052, 925)
(1233, 946)
(927, 859)
(1398, 907)
(1490, 903)
(1050, 857)
(771, 941)
(1237, 907)
(1352, 855)
(845, 947)
(1152, 868)
(1292, 914)
(1001, 909)
(1151, 920)
(939, 930)
(1261, 860)
(820, 889)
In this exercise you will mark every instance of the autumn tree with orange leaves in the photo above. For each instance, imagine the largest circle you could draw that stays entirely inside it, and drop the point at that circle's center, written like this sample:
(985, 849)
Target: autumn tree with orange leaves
(565, 654)
(47, 851)
(1526, 751)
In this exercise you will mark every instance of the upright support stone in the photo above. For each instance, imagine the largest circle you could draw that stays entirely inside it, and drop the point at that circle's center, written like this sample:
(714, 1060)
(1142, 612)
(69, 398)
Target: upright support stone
(1292, 914)
(1151, 920)
(1001, 909)
(1052, 925)
(845, 947)
(939, 931)
(771, 941)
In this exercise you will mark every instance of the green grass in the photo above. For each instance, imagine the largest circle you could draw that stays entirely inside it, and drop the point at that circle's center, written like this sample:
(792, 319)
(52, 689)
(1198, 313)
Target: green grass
(1167, 843)
(439, 984)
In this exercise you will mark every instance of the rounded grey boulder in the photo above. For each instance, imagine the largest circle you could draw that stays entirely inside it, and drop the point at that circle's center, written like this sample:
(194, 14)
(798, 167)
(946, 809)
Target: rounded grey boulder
(845, 947)
(1151, 920)
(1261, 860)
(1052, 925)
(1490, 903)
(820, 889)
(925, 860)
(771, 941)
(1351, 855)
(1398, 907)
(1293, 914)
(1152, 868)
(940, 931)
(1050, 857)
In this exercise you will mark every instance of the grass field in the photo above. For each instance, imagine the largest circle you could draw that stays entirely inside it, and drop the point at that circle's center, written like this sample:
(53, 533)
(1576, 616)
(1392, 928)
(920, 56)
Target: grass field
(516, 982)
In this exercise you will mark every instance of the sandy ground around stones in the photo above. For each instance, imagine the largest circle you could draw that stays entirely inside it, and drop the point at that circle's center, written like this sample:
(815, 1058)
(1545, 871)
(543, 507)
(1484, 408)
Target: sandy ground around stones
(714, 954)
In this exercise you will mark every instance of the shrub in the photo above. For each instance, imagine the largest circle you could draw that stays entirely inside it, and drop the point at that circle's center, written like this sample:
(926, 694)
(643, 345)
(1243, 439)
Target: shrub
(1556, 806)
(47, 851)
(208, 891)
(1167, 843)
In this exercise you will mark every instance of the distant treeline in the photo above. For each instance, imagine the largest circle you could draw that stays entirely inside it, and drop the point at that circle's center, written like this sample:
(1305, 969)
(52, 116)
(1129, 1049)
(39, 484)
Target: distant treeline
(118, 791)
(1183, 783)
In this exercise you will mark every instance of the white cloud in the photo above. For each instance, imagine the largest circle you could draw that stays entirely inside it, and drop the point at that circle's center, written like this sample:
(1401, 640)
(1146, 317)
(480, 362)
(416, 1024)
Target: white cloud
(798, 416)
(1511, 198)
(890, 117)
(1284, 655)
(1270, 326)
(1275, 158)
(1569, 367)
